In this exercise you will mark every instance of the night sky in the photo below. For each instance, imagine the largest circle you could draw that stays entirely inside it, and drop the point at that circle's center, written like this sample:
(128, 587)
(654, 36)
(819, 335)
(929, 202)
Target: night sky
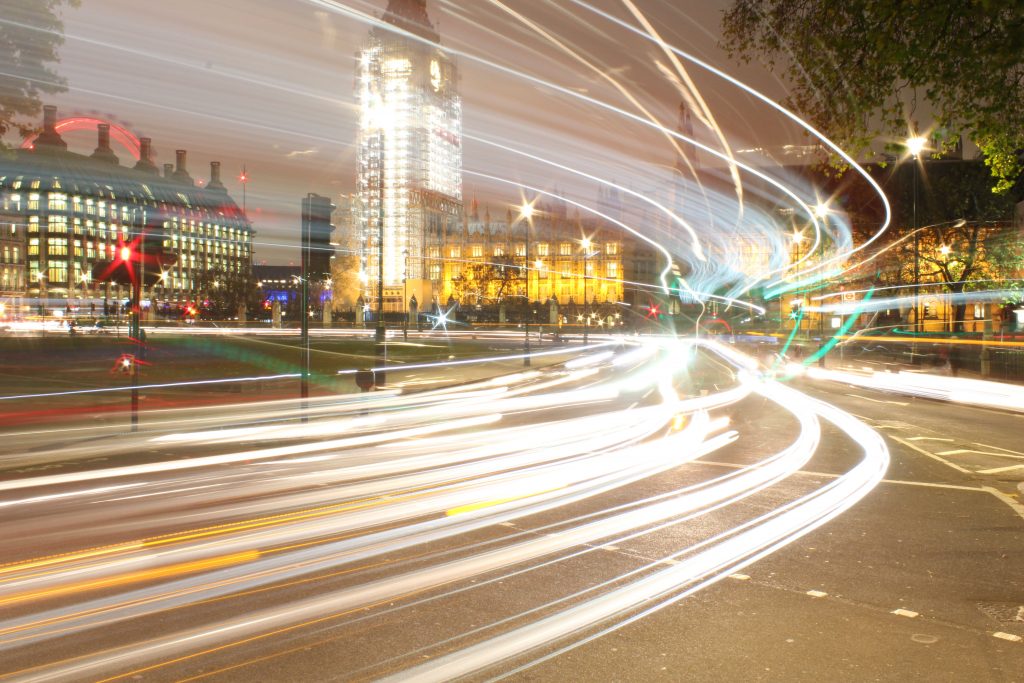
(269, 84)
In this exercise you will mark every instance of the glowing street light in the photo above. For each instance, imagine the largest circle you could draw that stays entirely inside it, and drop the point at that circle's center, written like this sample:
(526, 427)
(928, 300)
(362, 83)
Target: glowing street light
(944, 250)
(916, 145)
(821, 210)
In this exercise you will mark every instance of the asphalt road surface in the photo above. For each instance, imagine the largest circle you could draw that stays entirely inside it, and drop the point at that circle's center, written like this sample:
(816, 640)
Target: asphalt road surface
(650, 512)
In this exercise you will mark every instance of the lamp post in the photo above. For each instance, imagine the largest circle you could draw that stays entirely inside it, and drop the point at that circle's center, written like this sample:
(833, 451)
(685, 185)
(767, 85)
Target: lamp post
(587, 254)
(945, 250)
(526, 215)
(798, 239)
(405, 296)
(915, 145)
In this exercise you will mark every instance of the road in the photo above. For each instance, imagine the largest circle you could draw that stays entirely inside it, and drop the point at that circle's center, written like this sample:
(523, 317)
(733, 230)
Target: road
(649, 512)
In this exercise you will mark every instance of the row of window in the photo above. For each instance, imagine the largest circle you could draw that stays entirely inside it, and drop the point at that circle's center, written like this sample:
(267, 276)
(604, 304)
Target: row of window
(542, 249)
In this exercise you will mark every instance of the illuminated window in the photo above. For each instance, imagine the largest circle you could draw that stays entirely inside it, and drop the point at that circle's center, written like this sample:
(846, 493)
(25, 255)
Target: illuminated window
(565, 249)
(33, 201)
(612, 248)
(58, 201)
(456, 252)
(33, 247)
(57, 272)
(58, 225)
(476, 251)
(613, 269)
(57, 246)
(520, 250)
(76, 204)
(435, 272)
(543, 249)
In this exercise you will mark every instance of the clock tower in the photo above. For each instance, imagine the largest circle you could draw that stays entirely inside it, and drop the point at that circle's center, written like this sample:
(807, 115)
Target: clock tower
(410, 156)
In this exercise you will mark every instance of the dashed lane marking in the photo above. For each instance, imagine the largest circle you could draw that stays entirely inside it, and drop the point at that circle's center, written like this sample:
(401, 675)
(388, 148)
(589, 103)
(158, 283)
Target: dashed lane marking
(739, 577)
(817, 594)
(1008, 636)
(910, 614)
(927, 438)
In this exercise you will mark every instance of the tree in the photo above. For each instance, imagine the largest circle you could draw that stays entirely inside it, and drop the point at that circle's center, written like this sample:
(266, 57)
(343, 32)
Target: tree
(30, 33)
(966, 242)
(857, 62)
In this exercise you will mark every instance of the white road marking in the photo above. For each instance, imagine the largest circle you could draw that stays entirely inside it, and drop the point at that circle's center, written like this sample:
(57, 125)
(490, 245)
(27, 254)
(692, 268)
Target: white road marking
(904, 613)
(960, 451)
(739, 577)
(927, 438)
(1014, 505)
(998, 448)
(875, 400)
(996, 470)
(1007, 636)
(930, 455)
(826, 475)
(817, 594)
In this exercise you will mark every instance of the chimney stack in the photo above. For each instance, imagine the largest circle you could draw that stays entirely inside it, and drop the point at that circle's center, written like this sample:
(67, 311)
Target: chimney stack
(215, 183)
(168, 170)
(145, 162)
(50, 140)
(103, 151)
(181, 173)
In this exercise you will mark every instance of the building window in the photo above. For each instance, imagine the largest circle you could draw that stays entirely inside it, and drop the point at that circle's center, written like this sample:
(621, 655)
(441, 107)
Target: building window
(612, 248)
(499, 251)
(543, 249)
(58, 225)
(477, 251)
(520, 250)
(58, 201)
(57, 246)
(456, 252)
(57, 272)
(565, 249)
(613, 269)
(33, 201)
(435, 272)
(33, 246)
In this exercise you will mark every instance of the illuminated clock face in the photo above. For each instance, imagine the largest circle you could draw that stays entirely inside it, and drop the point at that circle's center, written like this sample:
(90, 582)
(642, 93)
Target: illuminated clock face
(435, 75)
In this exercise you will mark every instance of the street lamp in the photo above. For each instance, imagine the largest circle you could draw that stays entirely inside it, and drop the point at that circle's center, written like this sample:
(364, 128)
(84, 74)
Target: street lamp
(526, 214)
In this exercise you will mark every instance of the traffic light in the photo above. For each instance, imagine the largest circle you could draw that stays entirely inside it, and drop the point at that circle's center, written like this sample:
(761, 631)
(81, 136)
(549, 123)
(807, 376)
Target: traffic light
(796, 309)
